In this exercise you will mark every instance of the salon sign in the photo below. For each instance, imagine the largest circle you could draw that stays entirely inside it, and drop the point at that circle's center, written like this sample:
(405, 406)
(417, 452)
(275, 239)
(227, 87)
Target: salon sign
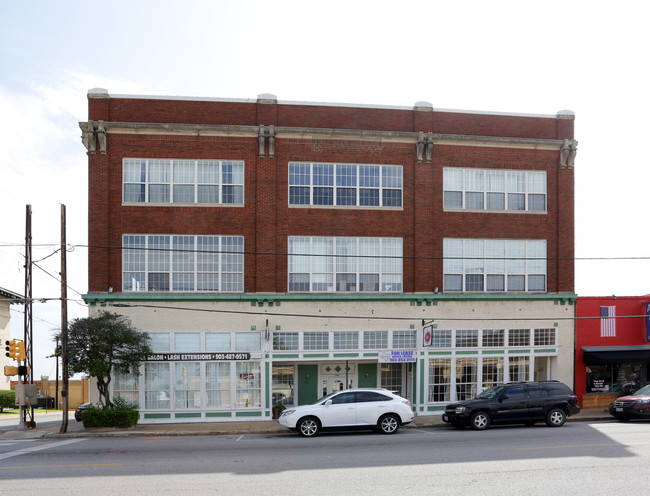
(402, 356)
(194, 357)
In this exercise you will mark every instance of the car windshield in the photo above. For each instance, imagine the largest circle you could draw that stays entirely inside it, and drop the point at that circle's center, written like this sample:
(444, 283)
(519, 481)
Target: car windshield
(644, 391)
(324, 398)
(490, 393)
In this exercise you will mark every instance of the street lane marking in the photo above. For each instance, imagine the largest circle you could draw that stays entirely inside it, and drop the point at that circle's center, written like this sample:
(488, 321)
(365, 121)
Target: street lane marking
(582, 446)
(62, 466)
(38, 448)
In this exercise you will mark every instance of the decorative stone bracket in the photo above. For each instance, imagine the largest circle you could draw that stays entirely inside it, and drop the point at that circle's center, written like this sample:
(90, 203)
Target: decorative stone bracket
(262, 136)
(425, 147)
(93, 133)
(568, 152)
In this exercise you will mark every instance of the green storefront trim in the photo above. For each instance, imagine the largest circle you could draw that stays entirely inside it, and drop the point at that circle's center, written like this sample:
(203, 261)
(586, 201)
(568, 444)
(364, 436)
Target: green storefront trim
(371, 354)
(295, 355)
(440, 353)
(248, 414)
(271, 298)
(467, 353)
(316, 355)
(345, 355)
(157, 415)
(493, 352)
(219, 414)
(515, 352)
(436, 408)
(547, 350)
(187, 415)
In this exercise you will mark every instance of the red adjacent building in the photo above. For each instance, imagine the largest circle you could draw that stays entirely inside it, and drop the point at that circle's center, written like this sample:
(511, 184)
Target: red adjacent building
(612, 348)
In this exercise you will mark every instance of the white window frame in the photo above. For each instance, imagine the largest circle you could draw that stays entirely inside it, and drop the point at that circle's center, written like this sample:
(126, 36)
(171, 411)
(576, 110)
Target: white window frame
(140, 261)
(328, 262)
(481, 183)
(347, 177)
(140, 173)
(477, 262)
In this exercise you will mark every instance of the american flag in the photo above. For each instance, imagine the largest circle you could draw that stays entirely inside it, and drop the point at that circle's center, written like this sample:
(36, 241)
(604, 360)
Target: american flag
(607, 322)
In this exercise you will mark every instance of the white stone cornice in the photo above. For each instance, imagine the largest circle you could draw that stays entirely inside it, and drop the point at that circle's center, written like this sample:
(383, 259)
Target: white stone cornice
(327, 134)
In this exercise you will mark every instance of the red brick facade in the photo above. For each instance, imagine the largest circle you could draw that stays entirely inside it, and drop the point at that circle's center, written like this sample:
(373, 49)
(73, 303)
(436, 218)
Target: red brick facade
(166, 128)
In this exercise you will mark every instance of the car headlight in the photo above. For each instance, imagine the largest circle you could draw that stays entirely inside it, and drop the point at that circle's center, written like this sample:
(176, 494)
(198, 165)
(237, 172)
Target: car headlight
(286, 413)
(460, 409)
(643, 401)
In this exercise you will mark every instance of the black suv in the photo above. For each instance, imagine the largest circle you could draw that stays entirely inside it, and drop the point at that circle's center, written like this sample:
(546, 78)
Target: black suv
(515, 403)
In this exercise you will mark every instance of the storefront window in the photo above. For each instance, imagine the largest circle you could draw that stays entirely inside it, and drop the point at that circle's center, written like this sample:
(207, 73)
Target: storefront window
(619, 378)
(217, 384)
(492, 371)
(519, 368)
(439, 379)
(187, 341)
(156, 386)
(249, 389)
(126, 387)
(188, 385)
(248, 341)
(217, 341)
(466, 378)
(283, 384)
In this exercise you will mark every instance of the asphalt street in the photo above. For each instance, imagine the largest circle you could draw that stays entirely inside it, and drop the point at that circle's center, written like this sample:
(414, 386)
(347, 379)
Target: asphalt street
(578, 458)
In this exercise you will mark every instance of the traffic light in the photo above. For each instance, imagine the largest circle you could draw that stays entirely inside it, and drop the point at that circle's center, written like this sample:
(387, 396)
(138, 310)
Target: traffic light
(15, 349)
(9, 370)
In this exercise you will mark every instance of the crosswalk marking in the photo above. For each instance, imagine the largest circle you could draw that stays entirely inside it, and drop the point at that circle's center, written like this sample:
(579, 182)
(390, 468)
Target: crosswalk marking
(38, 448)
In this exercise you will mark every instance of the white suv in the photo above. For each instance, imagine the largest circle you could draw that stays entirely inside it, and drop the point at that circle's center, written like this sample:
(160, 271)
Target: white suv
(376, 409)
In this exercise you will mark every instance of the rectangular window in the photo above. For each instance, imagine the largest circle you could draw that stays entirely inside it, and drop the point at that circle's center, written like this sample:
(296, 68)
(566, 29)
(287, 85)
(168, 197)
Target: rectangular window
(404, 339)
(322, 264)
(282, 385)
(343, 185)
(182, 263)
(248, 341)
(493, 338)
(217, 385)
(375, 340)
(466, 378)
(156, 386)
(183, 181)
(441, 338)
(519, 337)
(439, 380)
(487, 265)
(217, 341)
(316, 340)
(494, 190)
(545, 337)
(346, 340)
(285, 341)
(467, 338)
(519, 368)
(126, 387)
(248, 391)
(187, 389)
(492, 371)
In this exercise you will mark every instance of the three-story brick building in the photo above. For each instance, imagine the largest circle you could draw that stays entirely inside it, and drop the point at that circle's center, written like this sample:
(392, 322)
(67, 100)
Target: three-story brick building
(276, 251)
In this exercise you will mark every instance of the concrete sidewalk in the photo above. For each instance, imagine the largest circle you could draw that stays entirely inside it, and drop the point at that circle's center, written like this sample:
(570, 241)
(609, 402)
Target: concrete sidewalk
(76, 429)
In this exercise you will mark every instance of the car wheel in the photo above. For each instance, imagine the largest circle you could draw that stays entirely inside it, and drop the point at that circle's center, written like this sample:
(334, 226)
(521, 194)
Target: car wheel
(308, 427)
(388, 424)
(479, 421)
(556, 417)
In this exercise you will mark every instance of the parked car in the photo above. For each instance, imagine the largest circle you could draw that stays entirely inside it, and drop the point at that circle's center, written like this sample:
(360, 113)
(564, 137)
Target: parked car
(362, 408)
(515, 403)
(79, 411)
(634, 406)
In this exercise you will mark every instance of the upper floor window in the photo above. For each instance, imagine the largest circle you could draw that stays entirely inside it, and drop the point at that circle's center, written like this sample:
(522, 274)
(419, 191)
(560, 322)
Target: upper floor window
(491, 189)
(494, 265)
(183, 181)
(345, 184)
(182, 263)
(322, 264)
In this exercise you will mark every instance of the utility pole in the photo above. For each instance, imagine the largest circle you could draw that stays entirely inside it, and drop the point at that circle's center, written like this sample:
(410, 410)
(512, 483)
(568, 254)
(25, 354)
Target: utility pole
(26, 411)
(64, 326)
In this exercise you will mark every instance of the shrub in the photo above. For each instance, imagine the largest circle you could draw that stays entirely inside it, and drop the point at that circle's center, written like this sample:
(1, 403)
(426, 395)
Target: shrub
(121, 414)
(7, 400)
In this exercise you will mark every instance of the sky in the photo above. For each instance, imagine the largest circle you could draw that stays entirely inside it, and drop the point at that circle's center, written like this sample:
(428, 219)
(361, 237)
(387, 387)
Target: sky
(498, 56)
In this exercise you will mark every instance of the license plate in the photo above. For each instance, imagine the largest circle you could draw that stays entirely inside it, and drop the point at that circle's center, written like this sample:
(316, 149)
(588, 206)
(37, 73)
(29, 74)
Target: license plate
(619, 409)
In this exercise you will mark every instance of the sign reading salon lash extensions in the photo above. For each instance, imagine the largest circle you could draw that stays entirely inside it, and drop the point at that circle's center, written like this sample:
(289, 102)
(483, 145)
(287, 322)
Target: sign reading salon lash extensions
(193, 357)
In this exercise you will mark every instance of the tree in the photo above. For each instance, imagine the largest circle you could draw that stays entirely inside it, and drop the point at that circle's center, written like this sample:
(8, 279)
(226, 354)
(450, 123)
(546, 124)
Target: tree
(7, 400)
(103, 344)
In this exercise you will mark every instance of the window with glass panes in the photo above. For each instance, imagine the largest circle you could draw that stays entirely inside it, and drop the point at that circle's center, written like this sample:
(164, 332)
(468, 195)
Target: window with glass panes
(439, 380)
(375, 340)
(488, 265)
(285, 341)
(466, 378)
(187, 387)
(519, 368)
(248, 389)
(217, 385)
(346, 340)
(492, 371)
(495, 190)
(404, 339)
(391, 377)
(183, 181)
(182, 263)
(345, 184)
(544, 337)
(125, 386)
(332, 264)
(493, 337)
(519, 337)
(316, 340)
